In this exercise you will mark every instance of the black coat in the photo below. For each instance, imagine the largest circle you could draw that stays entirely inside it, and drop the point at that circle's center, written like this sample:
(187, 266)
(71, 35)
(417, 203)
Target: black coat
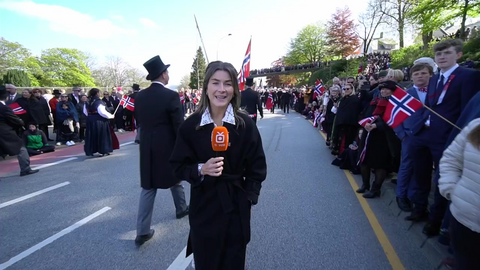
(217, 204)
(36, 110)
(10, 143)
(348, 111)
(251, 103)
(159, 114)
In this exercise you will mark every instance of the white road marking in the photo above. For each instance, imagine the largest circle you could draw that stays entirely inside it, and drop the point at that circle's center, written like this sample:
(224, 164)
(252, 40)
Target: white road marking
(127, 143)
(52, 238)
(34, 194)
(53, 163)
(181, 263)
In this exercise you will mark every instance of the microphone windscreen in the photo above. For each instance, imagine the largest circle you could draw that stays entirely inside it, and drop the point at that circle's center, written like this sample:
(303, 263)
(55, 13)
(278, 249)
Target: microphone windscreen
(220, 139)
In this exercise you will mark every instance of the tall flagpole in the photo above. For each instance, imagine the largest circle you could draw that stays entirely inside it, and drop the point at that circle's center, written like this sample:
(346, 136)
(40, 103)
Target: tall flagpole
(201, 39)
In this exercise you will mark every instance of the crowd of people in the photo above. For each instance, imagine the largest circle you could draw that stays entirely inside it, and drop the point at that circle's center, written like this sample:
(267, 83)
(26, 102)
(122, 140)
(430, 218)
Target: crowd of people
(39, 109)
(440, 141)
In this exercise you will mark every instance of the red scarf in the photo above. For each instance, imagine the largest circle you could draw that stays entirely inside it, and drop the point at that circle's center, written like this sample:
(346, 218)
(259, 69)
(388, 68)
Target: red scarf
(381, 106)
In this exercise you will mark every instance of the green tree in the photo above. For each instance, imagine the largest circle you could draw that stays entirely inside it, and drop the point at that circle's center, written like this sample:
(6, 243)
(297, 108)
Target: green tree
(342, 38)
(17, 77)
(310, 45)
(198, 70)
(12, 55)
(431, 15)
(65, 67)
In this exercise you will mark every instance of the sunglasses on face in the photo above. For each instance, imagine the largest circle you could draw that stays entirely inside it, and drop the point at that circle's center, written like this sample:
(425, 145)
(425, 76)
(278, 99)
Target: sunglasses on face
(348, 88)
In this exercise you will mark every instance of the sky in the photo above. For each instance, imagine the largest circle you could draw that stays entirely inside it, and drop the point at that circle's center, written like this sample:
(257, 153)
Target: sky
(138, 30)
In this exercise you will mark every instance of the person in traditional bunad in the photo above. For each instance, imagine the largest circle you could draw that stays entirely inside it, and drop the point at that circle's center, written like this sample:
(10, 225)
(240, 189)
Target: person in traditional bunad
(98, 138)
(225, 185)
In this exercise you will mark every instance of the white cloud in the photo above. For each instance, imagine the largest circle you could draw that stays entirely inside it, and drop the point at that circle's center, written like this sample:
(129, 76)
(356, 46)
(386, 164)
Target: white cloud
(148, 23)
(66, 20)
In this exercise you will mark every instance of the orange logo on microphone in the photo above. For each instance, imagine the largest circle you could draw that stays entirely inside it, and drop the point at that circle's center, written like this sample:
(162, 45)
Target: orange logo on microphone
(220, 139)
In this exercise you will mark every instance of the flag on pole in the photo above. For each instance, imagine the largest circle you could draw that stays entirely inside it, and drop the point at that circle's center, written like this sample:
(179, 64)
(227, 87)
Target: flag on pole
(401, 105)
(245, 69)
(17, 109)
(367, 120)
(127, 103)
(269, 103)
(319, 89)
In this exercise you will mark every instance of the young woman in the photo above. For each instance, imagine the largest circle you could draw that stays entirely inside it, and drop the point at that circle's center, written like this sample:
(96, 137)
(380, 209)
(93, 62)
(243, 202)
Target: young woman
(224, 184)
(98, 138)
(382, 147)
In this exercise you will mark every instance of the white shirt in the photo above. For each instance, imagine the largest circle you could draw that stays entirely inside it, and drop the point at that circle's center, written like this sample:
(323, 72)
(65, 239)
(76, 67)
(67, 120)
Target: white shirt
(102, 111)
(158, 82)
(228, 118)
(421, 95)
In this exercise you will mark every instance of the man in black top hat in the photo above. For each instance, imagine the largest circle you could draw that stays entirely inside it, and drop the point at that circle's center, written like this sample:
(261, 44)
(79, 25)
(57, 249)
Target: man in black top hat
(251, 101)
(10, 143)
(159, 114)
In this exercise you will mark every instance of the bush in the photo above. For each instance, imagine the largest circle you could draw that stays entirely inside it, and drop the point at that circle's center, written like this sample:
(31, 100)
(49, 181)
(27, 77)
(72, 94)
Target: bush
(17, 77)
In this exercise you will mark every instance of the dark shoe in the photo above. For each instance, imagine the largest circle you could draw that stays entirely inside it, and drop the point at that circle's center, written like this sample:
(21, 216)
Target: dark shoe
(417, 216)
(327, 143)
(141, 239)
(372, 194)
(432, 229)
(404, 204)
(362, 189)
(137, 141)
(28, 172)
(183, 214)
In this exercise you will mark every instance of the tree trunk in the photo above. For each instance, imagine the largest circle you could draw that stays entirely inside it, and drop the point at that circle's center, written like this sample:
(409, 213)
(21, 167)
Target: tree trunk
(426, 38)
(464, 19)
(401, 23)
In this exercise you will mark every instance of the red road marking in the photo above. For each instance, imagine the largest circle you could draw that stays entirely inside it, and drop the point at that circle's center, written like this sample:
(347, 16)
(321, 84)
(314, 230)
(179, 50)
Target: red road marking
(10, 166)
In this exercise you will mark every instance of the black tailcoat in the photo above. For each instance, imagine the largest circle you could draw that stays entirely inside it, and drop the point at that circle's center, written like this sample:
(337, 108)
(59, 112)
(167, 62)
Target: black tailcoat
(251, 103)
(220, 206)
(10, 143)
(159, 114)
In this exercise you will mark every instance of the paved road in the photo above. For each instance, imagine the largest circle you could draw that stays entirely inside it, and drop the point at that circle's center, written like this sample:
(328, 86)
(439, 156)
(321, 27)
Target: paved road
(308, 216)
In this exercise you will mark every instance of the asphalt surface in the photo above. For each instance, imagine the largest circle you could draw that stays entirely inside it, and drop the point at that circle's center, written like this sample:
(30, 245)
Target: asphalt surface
(308, 216)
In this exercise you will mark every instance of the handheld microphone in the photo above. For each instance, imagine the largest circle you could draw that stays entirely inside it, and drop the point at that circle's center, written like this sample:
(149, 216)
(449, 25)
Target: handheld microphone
(220, 139)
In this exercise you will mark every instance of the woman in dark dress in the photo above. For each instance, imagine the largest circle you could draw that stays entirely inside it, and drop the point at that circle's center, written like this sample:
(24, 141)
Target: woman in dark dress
(382, 147)
(98, 138)
(36, 110)
(346, 120)
(329, 115)
(224, 184)
(46, 111)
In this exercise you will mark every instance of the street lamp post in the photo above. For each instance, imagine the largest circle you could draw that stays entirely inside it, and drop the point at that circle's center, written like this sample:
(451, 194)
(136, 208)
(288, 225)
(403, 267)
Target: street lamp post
(221, 41)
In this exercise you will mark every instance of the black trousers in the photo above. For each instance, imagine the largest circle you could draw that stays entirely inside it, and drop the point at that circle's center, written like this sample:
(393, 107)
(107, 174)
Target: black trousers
(465, 244)
(82, 133)
(286, 107)
(43, 149)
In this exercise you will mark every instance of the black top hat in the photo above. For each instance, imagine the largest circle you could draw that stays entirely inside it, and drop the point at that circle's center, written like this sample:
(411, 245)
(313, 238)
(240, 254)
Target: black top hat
(136, 87)
(155, 67)
(389, 85)
(56, 92)
(249, 81)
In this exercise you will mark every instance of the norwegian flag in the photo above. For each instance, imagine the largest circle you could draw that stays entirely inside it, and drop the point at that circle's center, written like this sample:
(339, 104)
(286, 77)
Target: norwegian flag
(367, 120)
(17, 109)
(269, 103)
(127, 103)
(400, 106)
(319, 89)
(245, 69)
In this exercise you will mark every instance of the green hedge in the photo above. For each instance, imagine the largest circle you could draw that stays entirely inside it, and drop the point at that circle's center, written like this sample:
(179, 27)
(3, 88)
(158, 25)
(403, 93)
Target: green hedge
(400, 58)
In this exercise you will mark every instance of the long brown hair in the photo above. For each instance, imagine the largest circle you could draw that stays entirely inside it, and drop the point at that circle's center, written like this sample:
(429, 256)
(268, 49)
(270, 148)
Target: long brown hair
(236, 99)
(474, 137)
